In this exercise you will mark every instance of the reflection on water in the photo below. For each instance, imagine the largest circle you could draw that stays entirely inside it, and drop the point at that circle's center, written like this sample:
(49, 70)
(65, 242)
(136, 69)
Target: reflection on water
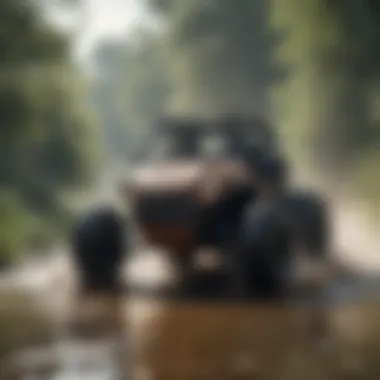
(204, 341)
(216, 341)
(194, 340)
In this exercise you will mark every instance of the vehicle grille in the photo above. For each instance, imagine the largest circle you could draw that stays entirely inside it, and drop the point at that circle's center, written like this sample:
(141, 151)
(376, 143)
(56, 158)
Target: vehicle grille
(166, 208)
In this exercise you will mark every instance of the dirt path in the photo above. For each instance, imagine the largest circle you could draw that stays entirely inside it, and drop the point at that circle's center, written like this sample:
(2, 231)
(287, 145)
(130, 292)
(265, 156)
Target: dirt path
(357, 238)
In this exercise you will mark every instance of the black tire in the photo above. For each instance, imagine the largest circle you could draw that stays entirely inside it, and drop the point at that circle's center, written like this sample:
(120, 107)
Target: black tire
(98, 247)
(310, 218)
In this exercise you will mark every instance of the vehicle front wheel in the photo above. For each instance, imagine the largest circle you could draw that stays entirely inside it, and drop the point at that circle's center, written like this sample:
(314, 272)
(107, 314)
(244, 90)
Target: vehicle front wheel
(98, 249)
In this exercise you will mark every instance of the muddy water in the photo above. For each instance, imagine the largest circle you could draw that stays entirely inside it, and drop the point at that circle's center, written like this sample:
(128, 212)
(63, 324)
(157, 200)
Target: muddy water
(192, 341)
(142, 336)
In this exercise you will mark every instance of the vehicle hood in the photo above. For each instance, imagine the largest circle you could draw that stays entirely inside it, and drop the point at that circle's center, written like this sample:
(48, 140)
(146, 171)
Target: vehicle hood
(205, 178)
(165, 176)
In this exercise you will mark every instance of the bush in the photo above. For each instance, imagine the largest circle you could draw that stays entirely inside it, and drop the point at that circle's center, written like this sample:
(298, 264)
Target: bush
(15, 227)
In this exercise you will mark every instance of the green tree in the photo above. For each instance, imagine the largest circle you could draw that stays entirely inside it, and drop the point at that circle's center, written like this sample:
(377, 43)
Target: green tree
(333, 51)
(329, 105)
(219, 55)
(46, 140)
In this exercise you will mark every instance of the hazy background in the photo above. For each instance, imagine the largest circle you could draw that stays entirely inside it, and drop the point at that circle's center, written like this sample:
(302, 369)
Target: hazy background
(83, 82)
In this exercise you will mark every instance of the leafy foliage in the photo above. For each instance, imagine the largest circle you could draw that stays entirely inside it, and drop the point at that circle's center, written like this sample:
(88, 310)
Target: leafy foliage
(220, 55)
(46, 138)
(334, 52)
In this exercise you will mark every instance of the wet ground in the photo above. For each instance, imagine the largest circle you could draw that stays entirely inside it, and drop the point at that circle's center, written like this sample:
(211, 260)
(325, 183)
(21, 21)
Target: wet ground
(150, 334)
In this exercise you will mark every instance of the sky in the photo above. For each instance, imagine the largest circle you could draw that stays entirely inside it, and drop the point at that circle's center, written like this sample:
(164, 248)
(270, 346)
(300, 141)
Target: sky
(97, 20)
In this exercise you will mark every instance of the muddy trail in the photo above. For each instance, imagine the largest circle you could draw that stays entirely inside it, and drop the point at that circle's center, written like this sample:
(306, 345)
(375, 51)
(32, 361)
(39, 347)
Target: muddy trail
(148, 334)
